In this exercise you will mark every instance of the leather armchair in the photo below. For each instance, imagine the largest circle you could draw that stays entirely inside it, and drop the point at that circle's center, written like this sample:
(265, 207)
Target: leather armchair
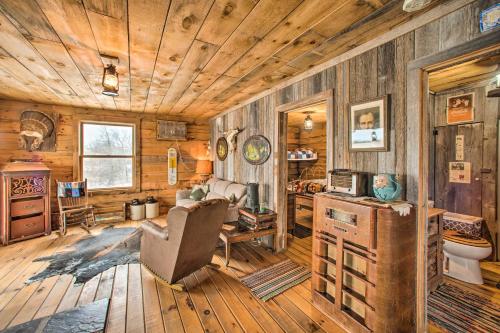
(188, 241)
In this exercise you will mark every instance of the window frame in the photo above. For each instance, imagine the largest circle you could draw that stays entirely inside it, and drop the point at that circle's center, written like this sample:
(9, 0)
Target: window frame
(78, 153)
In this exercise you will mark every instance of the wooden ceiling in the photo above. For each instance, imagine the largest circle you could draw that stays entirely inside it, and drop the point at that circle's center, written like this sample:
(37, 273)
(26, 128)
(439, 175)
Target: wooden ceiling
(179, 57)
(317, 112)
(465, 74)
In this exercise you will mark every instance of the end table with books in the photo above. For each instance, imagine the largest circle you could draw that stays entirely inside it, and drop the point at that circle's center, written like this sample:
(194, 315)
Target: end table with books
(250, 226)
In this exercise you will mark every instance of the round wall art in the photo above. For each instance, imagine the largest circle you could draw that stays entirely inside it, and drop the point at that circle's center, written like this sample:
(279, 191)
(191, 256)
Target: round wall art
(256, 149)
(221, 148)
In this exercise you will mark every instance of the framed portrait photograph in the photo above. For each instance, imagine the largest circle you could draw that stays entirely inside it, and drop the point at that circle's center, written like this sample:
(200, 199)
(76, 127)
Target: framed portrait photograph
(369, 126)
(460, 109)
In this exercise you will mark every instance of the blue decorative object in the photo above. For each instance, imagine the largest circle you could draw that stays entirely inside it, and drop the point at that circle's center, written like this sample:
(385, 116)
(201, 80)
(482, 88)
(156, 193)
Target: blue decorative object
(489, 18)
(386, 187)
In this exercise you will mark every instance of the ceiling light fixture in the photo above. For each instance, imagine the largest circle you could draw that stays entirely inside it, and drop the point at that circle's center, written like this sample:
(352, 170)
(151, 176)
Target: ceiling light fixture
(308, 122)
(110, 81)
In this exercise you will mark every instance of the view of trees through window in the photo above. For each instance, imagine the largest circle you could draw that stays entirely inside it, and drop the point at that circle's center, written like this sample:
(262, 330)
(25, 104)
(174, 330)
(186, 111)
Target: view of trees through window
(108, 154)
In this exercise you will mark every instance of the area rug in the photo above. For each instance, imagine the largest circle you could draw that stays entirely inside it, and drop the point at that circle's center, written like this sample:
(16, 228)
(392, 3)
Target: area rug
(301, 231)
(275, 279)
(88, 318)
(94, 254)
(457, 310)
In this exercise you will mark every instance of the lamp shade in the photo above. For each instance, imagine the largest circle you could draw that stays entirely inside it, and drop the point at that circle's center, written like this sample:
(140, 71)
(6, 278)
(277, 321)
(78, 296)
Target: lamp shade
(204, 167)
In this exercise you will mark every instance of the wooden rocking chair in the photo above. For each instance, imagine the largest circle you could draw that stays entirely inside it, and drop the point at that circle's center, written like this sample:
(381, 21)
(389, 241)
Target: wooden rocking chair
(74, 205)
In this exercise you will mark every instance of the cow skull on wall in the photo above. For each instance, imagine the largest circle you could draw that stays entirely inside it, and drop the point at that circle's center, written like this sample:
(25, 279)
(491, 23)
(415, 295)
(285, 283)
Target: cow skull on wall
(231, 138)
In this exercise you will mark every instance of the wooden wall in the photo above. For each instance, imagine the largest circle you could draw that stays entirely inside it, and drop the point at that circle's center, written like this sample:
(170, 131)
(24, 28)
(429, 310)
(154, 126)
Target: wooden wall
(293, 142)
(153, 152)
(486, 114)
(374, 73)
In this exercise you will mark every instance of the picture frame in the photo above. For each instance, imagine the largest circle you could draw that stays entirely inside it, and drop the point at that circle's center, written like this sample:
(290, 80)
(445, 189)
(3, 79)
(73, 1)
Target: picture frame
(221, 148)
(171, 130)
(460, 109)
(256, 149)
(369, 126)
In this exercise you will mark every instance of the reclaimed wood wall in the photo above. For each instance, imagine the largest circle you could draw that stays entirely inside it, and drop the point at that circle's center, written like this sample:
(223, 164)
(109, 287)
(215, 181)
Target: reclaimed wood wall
(153, 156)
(486, 114)
(374, 73)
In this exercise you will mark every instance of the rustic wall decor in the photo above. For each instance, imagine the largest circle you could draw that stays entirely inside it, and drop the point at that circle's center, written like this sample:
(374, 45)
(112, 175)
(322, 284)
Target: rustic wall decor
(171, 130)
(231, 136)
(256, 149)
(369, 125)
(221, 148)
(38, 131)
(460, 109)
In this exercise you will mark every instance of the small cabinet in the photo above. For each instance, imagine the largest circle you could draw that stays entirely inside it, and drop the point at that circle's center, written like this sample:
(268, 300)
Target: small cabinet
(25, 198)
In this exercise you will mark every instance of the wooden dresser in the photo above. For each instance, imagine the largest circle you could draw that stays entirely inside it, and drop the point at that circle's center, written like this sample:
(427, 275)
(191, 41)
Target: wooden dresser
(434, 248)
(25, 198)
(364, 265)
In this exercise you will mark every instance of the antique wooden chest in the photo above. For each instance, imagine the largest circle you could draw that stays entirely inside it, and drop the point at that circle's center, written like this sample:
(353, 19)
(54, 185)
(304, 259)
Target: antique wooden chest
(364, 265)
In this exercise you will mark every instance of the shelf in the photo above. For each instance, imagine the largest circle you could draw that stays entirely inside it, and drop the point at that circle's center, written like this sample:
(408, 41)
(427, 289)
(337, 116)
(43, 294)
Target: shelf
(302, 159)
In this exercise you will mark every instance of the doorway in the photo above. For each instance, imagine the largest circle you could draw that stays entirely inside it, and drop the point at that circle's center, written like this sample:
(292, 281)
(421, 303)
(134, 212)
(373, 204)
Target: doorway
(281, 172)
(306, 155)
(419, 156)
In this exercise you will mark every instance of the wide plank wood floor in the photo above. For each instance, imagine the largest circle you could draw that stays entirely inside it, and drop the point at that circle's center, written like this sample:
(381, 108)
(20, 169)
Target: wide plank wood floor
(214, 300)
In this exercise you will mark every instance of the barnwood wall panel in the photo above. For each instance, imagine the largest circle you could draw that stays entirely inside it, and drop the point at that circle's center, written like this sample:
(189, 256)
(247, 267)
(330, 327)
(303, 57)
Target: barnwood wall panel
(153, 153)
(374, 73)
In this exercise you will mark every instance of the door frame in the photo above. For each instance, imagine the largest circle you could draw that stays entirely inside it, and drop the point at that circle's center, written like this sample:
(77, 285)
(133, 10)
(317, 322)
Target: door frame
(280, 155)
(417, 140)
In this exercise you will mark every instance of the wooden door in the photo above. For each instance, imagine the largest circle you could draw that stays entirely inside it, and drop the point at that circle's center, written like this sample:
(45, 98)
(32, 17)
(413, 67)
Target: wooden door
(458, 197)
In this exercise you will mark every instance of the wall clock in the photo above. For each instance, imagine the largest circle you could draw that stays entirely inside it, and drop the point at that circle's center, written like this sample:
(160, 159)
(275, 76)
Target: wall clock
(221, 148)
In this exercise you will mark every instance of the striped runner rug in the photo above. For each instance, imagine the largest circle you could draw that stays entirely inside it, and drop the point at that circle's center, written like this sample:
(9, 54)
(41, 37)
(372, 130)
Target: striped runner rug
(457, 310)
(275, 279)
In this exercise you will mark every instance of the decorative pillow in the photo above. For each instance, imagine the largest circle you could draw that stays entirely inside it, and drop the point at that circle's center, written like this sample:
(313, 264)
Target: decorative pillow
(197, 194)
(231, 198)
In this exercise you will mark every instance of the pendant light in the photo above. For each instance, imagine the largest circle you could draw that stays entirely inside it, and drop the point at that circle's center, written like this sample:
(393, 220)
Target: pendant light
(110, 81)
(308, 122)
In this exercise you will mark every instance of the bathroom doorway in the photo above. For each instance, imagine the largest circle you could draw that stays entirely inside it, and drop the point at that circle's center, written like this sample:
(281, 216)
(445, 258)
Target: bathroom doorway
(462, 268)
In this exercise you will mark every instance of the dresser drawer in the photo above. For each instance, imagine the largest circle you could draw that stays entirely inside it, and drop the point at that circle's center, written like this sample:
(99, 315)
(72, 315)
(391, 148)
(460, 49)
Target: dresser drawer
(27, 207)
(27, 227)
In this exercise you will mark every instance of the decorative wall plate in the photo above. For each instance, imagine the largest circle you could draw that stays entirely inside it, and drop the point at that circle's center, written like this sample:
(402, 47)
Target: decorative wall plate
(221, 148)
(256, 149)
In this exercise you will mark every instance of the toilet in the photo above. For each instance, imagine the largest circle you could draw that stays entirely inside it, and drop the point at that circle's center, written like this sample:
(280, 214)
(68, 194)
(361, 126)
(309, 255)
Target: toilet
(463, 247)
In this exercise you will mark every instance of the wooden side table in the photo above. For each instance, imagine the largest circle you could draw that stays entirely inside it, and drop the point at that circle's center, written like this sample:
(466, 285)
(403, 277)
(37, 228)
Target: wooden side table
(233, 235)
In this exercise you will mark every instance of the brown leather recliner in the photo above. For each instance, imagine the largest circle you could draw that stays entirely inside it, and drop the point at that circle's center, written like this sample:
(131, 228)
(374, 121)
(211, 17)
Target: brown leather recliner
(188, 241)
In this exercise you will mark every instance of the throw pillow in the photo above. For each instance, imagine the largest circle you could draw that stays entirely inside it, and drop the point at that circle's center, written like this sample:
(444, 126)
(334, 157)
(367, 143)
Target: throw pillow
(197, 194)
(231, 198)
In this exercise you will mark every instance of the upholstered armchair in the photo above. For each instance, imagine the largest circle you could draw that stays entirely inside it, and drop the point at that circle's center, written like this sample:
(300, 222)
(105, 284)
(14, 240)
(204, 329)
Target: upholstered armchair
(188, 241)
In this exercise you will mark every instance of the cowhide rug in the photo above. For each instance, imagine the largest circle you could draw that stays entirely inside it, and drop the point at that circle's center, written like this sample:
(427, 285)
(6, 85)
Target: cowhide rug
(94, 254)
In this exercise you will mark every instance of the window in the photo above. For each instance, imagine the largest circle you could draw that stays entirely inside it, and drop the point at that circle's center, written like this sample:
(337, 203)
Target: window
(107, 155)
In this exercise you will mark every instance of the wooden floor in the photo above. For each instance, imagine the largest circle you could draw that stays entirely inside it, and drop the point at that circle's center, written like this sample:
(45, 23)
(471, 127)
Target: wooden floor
(214, 301)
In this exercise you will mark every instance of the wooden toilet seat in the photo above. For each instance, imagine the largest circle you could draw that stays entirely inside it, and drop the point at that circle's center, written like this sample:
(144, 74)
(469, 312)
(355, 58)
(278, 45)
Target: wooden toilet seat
(460, 238)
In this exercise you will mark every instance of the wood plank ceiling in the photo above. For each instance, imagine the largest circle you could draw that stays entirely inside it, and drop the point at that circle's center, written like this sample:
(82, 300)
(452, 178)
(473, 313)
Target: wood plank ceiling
(179, 57)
